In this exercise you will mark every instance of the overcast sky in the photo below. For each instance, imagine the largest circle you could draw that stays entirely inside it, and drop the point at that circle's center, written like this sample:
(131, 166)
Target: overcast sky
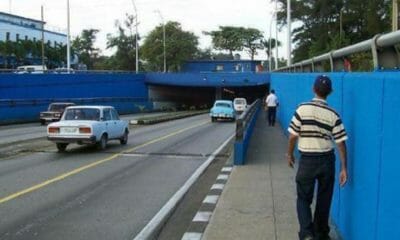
(194, 15)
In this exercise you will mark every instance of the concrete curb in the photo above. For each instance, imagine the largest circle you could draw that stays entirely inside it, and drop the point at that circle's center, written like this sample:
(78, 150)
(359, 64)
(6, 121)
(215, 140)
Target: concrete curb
(152, 228)
(200, 221)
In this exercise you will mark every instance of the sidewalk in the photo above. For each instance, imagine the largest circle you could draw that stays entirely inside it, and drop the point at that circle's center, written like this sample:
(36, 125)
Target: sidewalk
(258, 201)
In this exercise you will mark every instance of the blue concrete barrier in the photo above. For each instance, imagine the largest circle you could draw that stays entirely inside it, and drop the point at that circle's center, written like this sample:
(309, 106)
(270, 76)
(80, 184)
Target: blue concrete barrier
(244, 132)
(23, 96)
(367, 207)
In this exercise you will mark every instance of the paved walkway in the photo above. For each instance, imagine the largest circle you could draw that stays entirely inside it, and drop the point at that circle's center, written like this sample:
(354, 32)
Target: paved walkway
(258, 201)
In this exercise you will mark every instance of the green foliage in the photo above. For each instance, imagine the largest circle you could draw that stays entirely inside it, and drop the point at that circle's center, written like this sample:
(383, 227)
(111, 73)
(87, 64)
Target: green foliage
(124, 57)
(274, 43)
(227, 38)
(252, 41)
(319, 28)
(84, 47)
(180, 46)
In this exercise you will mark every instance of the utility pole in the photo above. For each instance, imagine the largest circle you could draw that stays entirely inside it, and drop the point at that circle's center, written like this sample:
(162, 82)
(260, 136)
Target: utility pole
(395, 15)
(42, 14)
(136, 37)
(289, 36)
(276, 36)
(68, 39)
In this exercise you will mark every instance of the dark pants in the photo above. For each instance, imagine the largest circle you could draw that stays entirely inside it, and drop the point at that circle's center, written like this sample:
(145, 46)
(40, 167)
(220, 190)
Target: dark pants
(271, 116)
(321, 170)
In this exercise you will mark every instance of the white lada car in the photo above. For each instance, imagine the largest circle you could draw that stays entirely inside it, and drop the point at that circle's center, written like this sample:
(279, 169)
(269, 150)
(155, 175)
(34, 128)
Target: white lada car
(88, 125)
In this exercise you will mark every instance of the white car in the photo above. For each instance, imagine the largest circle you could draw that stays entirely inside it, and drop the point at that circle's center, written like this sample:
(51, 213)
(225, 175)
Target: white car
(240, 104)
(88, 125)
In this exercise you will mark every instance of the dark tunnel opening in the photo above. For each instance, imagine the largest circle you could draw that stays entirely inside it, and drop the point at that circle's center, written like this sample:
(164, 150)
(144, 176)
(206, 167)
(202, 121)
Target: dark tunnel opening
(183, 98)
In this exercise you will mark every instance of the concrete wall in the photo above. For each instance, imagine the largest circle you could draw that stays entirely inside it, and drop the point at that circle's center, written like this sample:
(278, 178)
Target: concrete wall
(367, 208)
(223, 66)
(23, 96)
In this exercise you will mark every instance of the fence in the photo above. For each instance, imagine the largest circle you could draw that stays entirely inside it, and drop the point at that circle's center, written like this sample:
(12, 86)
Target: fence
(367, 208)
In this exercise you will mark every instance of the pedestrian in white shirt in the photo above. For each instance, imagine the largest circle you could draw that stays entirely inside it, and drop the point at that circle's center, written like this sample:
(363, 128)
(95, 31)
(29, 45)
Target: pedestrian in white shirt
(271, 103)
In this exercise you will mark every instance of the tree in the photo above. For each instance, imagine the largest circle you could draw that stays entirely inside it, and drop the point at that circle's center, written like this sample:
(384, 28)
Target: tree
(252, 41)
(180, 46)
(84, 47)
(274, 44)
(227, 38)
(125, 44)
(318, 30)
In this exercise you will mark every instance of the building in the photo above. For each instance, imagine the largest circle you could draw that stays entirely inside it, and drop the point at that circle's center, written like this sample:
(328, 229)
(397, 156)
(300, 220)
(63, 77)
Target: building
(14, 28)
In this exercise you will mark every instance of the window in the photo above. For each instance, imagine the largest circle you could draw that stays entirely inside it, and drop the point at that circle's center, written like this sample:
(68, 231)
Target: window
(26, 38)
(219, 68)
(114, 115)
(8, 36)
(55, 43)
(17, 37)
(34, 39)
(107, 115)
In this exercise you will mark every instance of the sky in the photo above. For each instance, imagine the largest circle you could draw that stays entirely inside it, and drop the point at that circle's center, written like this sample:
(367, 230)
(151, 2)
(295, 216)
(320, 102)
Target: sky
(194, 15)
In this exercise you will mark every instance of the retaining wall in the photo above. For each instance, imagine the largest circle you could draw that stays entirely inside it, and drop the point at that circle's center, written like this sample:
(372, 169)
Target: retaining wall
(367, 207)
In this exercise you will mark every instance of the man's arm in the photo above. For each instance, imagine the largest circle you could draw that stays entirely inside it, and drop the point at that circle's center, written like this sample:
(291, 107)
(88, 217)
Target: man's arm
(343, 160)
(290, 156)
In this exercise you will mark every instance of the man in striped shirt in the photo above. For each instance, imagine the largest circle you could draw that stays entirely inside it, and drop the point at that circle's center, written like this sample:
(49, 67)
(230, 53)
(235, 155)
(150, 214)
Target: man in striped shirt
(315, 125)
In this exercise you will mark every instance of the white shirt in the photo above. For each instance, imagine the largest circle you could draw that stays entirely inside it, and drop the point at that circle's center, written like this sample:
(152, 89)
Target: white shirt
(272, 100)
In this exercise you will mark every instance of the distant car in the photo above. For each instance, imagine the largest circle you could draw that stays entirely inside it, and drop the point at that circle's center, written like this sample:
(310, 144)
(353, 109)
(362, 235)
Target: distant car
(88, 125)
(222, 109)
(239, 104)
(33, 69)
(54, 112)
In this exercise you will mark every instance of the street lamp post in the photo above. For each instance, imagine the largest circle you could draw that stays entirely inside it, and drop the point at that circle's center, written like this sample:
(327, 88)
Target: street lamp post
(68, 39)
(163, 24)
(395, 16)
(136, 37)
(276, 35)
(289, 36)
(270, 43)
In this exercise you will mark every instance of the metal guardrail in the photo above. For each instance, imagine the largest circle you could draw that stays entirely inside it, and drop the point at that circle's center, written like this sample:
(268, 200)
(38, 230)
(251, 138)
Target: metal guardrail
(244, 128)
(385, 54)
(52, 71)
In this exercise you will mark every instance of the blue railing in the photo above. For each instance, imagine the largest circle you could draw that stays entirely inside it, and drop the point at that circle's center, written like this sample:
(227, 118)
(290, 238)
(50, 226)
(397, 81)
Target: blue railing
(244, 129)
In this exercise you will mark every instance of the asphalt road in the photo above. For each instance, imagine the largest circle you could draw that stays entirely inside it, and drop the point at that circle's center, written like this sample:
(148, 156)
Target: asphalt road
(112, 194)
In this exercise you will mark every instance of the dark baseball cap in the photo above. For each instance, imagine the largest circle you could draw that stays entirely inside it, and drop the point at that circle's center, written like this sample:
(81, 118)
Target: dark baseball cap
(323, 84)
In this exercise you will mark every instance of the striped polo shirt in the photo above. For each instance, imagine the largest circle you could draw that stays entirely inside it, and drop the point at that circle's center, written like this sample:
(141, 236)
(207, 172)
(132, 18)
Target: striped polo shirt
(317, 125)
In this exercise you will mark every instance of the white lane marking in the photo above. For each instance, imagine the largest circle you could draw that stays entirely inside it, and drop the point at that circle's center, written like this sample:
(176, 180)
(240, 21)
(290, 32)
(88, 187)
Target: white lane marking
(157, 221)
(213, 199)
(192, 236)
(218, 186)
(227, 169)
(202, 217)
(222, 177)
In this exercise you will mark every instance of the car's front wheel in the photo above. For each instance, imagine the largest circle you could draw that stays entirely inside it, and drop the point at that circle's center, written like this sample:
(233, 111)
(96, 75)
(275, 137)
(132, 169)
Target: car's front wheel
(213, 119)
(61, 147)
(102, 144)
(42, 122)
(124, 139)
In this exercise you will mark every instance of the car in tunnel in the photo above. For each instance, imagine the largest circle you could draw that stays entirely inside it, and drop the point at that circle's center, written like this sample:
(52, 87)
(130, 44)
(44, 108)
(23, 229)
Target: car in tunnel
(88, 125)
(239, 104)
(222, 109)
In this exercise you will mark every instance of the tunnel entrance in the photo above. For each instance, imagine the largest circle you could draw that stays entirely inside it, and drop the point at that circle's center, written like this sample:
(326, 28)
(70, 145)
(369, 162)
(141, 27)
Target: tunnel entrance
(185, 98)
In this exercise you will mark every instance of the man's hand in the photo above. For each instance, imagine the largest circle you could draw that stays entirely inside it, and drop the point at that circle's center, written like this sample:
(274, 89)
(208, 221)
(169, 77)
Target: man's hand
(343, 177)
(291, 160)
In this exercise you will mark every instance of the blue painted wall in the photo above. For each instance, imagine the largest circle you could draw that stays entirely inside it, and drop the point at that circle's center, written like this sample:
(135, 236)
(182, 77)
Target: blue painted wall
(208, 79)
(227, 65)
(367, 208)
(23, 96)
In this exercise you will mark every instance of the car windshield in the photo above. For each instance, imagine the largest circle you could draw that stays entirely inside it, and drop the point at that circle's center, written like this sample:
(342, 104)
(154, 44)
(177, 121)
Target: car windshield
(57, 107)
(226, 105)
(240, 101)
(90, 114)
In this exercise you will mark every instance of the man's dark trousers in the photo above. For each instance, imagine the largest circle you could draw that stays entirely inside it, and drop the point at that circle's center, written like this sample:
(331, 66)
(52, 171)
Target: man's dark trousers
(271, 116)
(312, 169)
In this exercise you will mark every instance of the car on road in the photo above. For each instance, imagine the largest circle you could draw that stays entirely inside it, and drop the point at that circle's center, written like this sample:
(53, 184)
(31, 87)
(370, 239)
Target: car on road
(54, 112)
(239, 104)
(222, 109)
(88, 125)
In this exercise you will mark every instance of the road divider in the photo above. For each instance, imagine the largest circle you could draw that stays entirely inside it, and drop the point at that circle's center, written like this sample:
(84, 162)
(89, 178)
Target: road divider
(164, 118)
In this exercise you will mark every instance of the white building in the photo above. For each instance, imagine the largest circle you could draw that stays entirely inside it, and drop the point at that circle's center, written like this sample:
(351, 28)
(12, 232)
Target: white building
(13, 28)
